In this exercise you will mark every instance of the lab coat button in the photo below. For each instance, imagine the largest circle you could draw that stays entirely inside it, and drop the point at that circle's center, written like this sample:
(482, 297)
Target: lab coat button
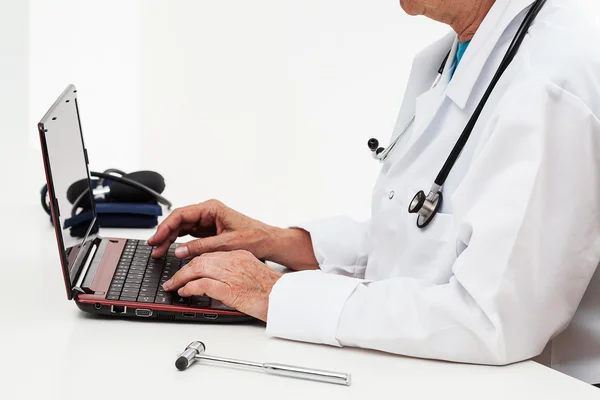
(391, 194)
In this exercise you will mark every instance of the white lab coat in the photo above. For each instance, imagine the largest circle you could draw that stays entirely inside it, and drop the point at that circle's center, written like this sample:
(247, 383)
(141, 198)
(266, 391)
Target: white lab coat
(503, 268)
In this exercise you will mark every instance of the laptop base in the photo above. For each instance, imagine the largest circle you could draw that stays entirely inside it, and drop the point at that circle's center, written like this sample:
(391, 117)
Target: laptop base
(137, 310)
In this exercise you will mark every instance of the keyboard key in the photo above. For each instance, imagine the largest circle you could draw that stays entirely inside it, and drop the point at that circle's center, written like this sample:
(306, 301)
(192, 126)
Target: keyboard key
(128, 298)
(139, 263)
(132, 285)
(149, 291)
(146, 299)
(150, 280)
(133, 280)
(181, 301)
(153, 271)
(112, 297)
(200, 301)
(163, 300)
(150, 285)
(155, 263)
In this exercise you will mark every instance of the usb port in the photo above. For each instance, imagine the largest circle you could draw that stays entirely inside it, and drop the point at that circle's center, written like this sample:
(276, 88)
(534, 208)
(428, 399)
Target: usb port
(188, 315)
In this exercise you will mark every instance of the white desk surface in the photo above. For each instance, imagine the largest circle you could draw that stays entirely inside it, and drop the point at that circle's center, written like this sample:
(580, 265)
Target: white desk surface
(51, 350)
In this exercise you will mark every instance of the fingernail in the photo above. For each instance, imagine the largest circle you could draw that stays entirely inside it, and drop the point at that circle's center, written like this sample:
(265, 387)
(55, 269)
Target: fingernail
(167, 285)
(182, 252)
(150, 238)
(180, 291)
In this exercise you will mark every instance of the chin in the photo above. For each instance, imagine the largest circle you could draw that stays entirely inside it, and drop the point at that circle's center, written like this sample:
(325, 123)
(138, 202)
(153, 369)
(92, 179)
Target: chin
(409, 7)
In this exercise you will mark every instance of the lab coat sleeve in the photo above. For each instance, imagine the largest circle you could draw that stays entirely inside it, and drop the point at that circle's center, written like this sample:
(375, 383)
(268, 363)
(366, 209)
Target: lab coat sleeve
(339, 244)
(528, 210)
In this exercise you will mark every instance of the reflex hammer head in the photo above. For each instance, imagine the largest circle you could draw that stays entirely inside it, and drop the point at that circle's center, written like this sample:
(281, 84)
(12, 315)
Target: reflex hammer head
(188, 356)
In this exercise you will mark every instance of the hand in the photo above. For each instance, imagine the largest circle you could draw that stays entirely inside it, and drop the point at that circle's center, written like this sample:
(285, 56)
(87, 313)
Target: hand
(237, 279)
(219, 228)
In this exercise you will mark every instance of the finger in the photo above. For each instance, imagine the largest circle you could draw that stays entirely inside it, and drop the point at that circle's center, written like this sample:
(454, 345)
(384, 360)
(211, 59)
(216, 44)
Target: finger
(223, 242)
(201, 232)
(162, 248)
(189, 214)
(217, 259)
(206, 286)
(202, 267)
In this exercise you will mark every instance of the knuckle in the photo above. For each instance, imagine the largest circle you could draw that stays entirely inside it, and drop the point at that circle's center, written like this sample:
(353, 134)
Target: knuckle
(198, 267)
(243, 254)
(214, 203)
(196, 286)
(177, 210)
(195, 245)
(204, 284)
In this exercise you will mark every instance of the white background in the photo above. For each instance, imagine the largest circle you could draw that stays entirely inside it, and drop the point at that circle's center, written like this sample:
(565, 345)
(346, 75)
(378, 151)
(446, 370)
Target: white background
(266, 105)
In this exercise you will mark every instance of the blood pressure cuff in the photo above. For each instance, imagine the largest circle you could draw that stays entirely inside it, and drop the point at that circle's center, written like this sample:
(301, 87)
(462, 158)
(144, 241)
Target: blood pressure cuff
(115, 215)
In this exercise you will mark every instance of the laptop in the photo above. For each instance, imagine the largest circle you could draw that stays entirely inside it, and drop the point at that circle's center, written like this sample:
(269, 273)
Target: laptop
(113, 277)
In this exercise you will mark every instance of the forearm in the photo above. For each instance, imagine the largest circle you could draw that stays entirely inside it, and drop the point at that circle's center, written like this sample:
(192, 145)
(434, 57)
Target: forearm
(291, 248)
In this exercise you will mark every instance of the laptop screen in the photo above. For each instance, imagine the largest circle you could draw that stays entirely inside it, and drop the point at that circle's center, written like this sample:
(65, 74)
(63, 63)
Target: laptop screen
(68, 178)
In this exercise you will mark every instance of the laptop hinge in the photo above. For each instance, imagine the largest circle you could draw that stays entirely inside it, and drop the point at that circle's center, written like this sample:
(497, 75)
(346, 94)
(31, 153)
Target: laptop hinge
(90, 267)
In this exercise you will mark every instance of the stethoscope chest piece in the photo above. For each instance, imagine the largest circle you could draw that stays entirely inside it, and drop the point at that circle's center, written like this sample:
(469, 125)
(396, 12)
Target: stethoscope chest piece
(425, 206)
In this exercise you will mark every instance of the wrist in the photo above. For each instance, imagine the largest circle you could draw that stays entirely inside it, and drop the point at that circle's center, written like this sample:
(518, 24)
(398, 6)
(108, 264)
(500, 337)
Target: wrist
(292, 248)
(275, 240)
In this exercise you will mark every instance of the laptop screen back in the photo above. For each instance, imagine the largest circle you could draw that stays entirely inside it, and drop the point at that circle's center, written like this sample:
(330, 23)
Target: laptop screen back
(65, 161)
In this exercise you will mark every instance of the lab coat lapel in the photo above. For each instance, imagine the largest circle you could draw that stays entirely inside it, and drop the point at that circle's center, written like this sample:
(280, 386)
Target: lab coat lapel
(424, 103)
(421, 102)
(499, 18)
(423, 73)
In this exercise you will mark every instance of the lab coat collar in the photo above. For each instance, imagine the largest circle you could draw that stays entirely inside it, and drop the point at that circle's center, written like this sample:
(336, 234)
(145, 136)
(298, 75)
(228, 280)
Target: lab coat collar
(500, 16)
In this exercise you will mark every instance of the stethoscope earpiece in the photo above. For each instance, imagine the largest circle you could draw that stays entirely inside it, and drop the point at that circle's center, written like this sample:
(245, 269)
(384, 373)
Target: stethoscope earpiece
(374, 147)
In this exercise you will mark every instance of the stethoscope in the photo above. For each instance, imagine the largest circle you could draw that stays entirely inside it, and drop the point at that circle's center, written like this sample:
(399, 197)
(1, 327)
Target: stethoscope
(427, 206)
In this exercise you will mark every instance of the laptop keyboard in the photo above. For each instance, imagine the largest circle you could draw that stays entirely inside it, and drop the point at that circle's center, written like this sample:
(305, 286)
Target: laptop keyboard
(139, 277)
